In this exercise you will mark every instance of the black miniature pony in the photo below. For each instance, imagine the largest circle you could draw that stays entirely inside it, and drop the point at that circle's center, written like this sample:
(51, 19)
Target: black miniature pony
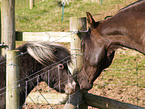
(44, 59)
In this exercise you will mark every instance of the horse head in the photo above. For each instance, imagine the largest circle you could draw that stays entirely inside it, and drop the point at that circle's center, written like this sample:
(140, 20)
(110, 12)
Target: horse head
(96, 56)
(54, 59)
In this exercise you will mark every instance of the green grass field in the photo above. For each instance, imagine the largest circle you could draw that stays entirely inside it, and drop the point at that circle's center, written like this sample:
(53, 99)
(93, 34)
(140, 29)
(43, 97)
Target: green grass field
(47, 15)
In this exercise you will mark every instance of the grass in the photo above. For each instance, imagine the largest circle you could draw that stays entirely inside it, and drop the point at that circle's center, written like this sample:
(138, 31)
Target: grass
(127, 65)
(46, 15)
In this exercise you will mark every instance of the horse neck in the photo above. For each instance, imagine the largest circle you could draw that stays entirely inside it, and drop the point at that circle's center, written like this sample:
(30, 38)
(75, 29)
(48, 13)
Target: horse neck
(28, 75)
(26, 88)
(2, 82)
(2, 72)
(116, 33)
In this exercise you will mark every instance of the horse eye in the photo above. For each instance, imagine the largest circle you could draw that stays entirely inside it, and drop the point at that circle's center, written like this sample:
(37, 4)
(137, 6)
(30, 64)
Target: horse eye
(60, 66)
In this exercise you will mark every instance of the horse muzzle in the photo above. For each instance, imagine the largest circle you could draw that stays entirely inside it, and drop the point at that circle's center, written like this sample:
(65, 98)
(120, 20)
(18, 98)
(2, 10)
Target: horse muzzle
(71, 88)
(86, 86)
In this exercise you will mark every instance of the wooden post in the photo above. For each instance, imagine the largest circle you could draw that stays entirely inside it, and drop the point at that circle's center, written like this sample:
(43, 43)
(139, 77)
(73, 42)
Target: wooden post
(0, 33)
(12, 76)
(8, 24)
(106, 103)
(74, 101)
(76, 24)
(31, 3)
(93, 1)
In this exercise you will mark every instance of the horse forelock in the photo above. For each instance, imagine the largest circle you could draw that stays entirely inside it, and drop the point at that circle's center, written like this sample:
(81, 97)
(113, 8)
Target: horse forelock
(47, 53)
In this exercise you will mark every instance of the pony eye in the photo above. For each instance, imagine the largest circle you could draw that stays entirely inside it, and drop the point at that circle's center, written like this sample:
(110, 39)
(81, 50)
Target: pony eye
(60, 66)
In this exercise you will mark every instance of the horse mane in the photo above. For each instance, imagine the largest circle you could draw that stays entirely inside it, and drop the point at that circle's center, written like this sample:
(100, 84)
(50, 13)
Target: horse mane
(132, 4)
(46, 53)
(107, 17)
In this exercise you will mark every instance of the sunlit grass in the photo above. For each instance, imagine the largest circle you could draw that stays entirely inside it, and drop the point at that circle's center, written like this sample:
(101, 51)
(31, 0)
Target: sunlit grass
(47, 15)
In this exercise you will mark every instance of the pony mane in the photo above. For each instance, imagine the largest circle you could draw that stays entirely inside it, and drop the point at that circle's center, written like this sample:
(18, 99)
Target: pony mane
(46, 53)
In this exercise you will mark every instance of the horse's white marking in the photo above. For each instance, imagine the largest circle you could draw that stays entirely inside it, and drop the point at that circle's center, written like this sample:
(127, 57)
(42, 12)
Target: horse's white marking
(70, 87)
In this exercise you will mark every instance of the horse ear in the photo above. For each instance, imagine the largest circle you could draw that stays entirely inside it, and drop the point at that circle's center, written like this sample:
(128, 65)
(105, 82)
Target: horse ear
(90, 20)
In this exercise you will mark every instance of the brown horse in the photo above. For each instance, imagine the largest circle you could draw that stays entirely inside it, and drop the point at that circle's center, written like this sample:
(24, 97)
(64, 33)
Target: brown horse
(40, 59)
(124, 29)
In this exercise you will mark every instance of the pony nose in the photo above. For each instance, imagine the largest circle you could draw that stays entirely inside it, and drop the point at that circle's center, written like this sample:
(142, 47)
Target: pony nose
(70, 87)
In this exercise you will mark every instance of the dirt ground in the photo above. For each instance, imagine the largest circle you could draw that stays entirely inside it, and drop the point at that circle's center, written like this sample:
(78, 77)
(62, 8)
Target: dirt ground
(121, 93)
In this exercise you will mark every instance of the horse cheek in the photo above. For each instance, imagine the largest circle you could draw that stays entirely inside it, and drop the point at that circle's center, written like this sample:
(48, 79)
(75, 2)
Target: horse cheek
(97, 56)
